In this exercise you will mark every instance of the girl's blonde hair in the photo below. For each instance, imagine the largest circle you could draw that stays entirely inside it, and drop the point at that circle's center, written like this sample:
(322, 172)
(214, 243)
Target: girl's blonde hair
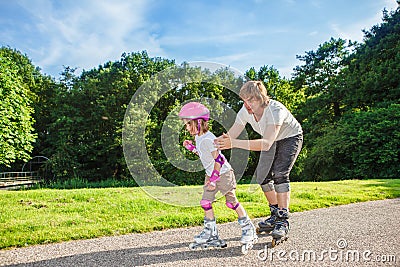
(254, 89)
(203, 125)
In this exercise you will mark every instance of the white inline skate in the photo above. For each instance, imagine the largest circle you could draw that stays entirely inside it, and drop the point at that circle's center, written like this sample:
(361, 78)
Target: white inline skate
(208, 237)
(249, 236)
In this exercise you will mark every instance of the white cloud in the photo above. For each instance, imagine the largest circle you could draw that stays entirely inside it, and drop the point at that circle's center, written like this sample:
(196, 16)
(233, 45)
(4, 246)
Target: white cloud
(354, 31)
(88, 33)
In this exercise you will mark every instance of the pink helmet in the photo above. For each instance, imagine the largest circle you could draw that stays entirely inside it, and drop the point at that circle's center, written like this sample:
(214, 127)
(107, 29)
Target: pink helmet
(194, 111)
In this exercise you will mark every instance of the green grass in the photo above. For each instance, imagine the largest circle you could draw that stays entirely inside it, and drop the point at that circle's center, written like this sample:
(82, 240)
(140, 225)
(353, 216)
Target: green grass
(42, 216)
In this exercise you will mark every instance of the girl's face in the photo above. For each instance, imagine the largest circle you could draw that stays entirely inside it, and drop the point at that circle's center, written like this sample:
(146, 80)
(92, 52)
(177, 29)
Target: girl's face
(253, 105)
(190, 127)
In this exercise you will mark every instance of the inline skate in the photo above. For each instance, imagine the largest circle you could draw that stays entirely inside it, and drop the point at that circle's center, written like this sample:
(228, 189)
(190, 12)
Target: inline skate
(281, 230)
(208, 237)
(249, 236)
(268, 225)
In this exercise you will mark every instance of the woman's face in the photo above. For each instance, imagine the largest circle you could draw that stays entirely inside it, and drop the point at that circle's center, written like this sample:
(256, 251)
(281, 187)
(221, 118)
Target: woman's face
(253, 105)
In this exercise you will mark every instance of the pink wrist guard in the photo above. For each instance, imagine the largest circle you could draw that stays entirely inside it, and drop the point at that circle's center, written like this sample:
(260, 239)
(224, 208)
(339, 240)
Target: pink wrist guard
(214, 177)
(191, 147)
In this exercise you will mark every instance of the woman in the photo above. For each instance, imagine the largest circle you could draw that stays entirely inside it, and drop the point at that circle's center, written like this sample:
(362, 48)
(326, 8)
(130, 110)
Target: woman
(280, 144)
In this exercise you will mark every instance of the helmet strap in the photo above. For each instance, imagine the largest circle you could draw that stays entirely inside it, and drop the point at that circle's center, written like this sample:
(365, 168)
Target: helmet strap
(198, 125)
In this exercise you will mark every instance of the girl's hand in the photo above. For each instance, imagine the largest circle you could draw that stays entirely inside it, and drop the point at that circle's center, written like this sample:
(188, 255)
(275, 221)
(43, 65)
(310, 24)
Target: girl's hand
(187, 142)
(189, 146)
(210, 187)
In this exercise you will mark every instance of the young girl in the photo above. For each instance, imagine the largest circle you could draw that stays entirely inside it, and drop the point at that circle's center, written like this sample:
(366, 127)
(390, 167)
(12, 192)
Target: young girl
(219, 177)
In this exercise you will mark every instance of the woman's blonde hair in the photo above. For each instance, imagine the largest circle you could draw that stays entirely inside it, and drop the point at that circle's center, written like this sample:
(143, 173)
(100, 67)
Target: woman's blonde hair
(254, 89)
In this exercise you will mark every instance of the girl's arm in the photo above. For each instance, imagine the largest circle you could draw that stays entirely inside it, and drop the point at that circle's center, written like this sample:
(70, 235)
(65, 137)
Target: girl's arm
(188, 144)
(217, 168)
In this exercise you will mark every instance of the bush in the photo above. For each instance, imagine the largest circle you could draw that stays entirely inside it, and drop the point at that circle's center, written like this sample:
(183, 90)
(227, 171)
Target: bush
(361, 145)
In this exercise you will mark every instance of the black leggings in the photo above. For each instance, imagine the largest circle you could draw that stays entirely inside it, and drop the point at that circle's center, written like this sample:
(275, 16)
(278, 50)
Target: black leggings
(276, 163)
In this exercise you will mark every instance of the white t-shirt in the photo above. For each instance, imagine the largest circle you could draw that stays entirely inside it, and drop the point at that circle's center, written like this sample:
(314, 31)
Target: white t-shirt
(274, 114)
(204, 146)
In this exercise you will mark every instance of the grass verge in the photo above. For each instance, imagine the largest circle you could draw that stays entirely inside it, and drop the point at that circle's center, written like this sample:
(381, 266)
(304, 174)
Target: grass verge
(50, 215)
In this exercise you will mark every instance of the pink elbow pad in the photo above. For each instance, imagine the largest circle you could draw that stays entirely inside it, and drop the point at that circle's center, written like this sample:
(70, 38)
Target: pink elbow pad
(220, 159)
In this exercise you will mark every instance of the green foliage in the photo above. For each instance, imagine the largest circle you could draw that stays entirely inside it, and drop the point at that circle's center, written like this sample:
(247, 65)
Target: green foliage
(345, 95)
(373, 72)
(16, 121)
(350, 116)
(84, 132)
(319, 79)
(363, 144)
(78, 183)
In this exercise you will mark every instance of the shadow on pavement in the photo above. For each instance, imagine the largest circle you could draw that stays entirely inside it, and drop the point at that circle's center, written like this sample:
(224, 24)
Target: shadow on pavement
(180, 253)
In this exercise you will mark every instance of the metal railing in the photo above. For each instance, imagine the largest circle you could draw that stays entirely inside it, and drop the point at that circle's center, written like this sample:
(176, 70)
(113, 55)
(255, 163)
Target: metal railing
(9, 179)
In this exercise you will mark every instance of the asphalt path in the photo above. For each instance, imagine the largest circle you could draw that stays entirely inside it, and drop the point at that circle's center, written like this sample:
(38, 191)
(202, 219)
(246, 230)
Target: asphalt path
(361, 234)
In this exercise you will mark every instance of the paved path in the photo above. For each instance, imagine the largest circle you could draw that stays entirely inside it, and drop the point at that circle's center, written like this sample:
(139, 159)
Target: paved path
(362, 234)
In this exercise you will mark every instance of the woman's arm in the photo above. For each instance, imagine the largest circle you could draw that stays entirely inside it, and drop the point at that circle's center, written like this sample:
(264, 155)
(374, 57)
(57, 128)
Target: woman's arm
(235, 130)
(227, 142)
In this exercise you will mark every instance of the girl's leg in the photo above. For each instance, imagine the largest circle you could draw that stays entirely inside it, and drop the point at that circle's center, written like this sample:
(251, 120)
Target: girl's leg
(233, 203)
(207, 199)
(209, 214)
(248, 230)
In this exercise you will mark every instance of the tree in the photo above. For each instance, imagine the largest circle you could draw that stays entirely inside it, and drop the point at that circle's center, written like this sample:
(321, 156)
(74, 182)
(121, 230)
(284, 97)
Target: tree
(350, 116)
(86, 124)
(16, 121)
(373, 71)
(363, 144)
(320, 80)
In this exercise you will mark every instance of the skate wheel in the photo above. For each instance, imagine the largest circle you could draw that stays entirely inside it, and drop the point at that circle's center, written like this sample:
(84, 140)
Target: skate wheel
(224, 245)
(204, 246)
(192, 246)
(245, 249)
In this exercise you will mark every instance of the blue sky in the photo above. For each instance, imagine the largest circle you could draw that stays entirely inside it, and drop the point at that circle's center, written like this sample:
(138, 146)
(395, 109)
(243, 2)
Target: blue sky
(240, 34)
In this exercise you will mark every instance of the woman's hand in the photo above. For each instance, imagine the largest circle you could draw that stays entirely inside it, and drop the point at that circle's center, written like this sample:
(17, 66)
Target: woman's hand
(223, 142)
